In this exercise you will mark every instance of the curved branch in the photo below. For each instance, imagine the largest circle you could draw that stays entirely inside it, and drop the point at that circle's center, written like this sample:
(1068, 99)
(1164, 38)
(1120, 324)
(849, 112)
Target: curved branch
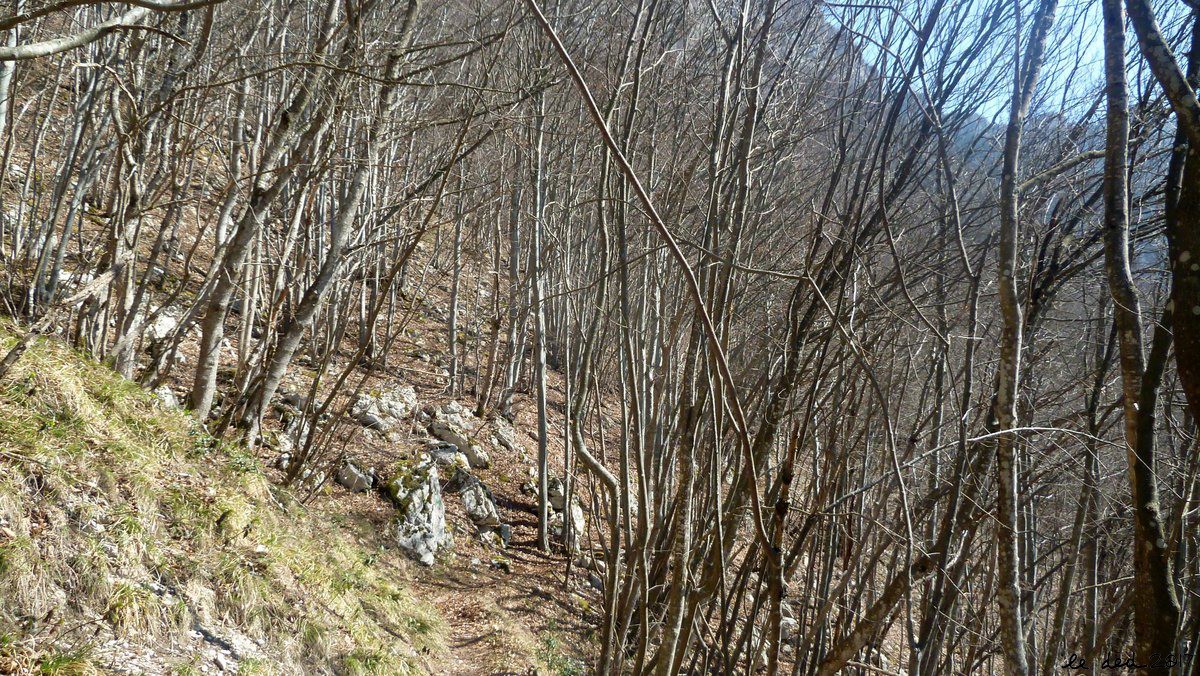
(129, 19)
(156, 5)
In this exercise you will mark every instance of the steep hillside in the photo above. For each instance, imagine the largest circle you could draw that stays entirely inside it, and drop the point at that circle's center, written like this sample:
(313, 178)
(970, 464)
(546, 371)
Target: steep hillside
(132, 543)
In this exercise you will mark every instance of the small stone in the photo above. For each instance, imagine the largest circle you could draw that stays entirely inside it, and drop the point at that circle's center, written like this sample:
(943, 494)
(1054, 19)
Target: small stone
(555, 491)
(373, 422)
(479, 504)
(225, 663)
(166, 397)
(354, 478)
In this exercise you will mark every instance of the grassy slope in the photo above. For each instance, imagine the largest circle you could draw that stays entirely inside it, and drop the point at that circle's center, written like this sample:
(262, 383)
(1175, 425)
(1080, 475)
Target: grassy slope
(119, 520)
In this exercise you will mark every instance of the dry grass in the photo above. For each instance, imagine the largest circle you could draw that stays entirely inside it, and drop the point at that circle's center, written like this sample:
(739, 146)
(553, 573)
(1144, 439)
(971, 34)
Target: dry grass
(121, 517)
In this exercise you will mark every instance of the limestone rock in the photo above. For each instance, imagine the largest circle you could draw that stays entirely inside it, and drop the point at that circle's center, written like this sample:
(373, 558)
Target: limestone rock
(588, 562)
(166, 397)
(161, 326)
(386, 410)
(456, 425)
(420, 529)
(556, 493)
(446, 455)
(372, 421)
(491, 538)
(293, 399)
(480, 506)
(354, 478)
(577, 523)
(505, 436)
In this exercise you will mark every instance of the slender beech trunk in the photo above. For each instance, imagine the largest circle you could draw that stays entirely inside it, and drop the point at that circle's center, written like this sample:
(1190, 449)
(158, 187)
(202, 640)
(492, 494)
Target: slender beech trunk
(294, 327)
(1156, 610)
(536, 258)
(266, 189)
(1008, 379)
(1183, 240)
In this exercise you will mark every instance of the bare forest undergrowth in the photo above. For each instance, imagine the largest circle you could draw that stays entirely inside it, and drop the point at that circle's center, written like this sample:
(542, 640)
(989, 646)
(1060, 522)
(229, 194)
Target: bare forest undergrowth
(431, 336)
(97, 577)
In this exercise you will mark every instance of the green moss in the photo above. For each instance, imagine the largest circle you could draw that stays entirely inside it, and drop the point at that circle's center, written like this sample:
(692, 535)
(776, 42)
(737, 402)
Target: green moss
(14, 553)
(406, 477)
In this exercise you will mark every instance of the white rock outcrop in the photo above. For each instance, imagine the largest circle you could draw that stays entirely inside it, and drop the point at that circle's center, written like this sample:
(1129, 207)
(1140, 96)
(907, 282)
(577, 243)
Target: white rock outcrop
(420, 530)
(454, 424)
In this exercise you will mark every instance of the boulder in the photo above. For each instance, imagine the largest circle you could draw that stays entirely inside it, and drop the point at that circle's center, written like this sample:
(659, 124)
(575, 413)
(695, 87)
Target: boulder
(497, 537)
(456, 425)
(577, 523)
(354, 478)
(588, 562)
(505, 436)
(162, 326)
(460, 480)
(481, 508)
(478, 457)
(420, 529)
(555, 491)
(596, 581)
(373, 421)
(382, 411)
(446, 455)
(491, 538)
(166, 397)
(293, 399)
(295, 431)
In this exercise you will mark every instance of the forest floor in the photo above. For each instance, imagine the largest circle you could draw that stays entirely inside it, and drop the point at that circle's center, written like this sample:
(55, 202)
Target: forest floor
(477, 611)
(506, 611)
(132, 543)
